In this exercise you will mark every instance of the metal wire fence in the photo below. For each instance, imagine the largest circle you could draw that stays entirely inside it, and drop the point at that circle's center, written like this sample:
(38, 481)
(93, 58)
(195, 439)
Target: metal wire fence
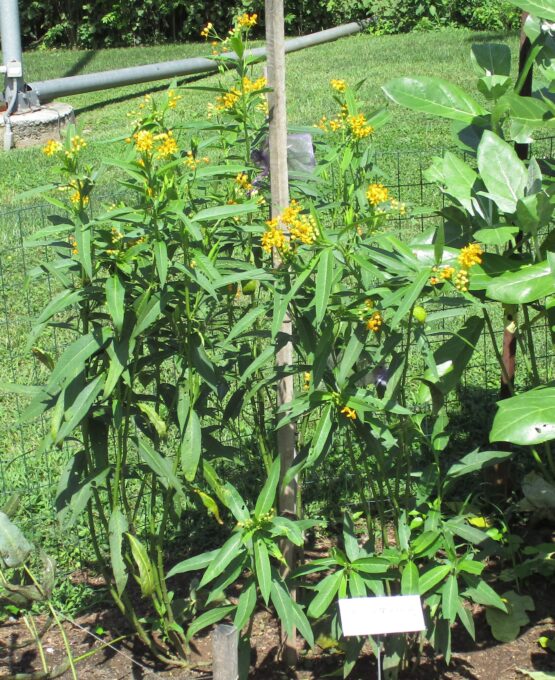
(26, 468)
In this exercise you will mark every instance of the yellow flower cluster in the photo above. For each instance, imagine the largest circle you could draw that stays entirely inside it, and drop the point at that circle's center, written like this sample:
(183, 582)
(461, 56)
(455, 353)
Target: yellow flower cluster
(273, 237)
(173, 99)
(228, 101)
(77, 144)
(206, 30)
(377, 194)
(78, 198)
(359, 126)
(52, 147)
(470, 255)
(375, 322)
(144, 140)
(73, 244)
(242, 180)
(192, 162)
(306, 376)
(303, 229)
(439, 275)
(168, 145)
(247, 20)
(349, 413)
(338, 85)
(253, 85)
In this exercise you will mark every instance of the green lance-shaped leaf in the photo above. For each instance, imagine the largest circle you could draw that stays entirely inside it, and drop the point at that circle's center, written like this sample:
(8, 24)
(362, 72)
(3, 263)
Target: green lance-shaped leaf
(195, 563)
(154, 418)
(246, 604)
(326, 590)
(78, 407)
(229, 550)
(14, 547)
(482, 593)
(435, 96)
(477, 460)
(72, 361)
(75, 489)
(527, 419)
(265, 501)
(450, 598)
(349, 358)
(371, 565)
(209, 618)
(117, 527)
(83, 243)
(429, 579)
(319, 445)
(222, 212)
(527, 284)
(262, 568)
(227, 493)
(148, 309)
(246, 322)
(191, 446)
(145, 576)
(350, 540)
(115, 300)
(409, 579)
(282, 601)
(465, 616)
(323, 283)
(161, 466)
(161, 258)
(502, 171)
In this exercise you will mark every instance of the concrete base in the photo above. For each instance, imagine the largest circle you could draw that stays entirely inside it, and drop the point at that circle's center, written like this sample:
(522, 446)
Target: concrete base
(34, 128)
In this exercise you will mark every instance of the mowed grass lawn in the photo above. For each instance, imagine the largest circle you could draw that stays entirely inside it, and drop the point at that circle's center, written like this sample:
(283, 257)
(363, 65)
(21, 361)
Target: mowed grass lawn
(102, 119)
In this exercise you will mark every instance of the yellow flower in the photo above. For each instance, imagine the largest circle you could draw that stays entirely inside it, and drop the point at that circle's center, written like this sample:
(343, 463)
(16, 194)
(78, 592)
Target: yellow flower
(228, 101)
(116, 235)
(306, 376)
(73, 245)
(247, 20)
(78, 198)
(52, 147)
(349, 413)
(144, 140)
(254, 85)
(461, 280)
(322, 124)
(192, 163)
(377, 194)
(338, 85)
(447, 273)
(168, 145)
(470, 255)
(242, 180)
(291, 213)
(359, 126)
(374, 323)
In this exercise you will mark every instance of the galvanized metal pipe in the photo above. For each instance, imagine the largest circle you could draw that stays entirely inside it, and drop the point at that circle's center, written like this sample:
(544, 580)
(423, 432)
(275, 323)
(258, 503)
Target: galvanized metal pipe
(104, 80)
(10, 35)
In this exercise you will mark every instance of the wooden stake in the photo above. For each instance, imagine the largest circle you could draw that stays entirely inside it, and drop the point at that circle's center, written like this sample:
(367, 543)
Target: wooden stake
(279, 184)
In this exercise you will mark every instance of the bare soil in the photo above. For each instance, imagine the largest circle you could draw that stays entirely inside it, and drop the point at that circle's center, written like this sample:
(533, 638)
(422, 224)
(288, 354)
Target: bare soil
(484, 660)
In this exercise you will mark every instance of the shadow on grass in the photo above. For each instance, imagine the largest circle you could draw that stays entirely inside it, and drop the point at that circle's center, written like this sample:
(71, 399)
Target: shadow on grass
(80, 64)
(138, 95)
(492, 35)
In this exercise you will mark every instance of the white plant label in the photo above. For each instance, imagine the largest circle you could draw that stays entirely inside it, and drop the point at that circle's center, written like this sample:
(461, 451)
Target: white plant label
(381, 615)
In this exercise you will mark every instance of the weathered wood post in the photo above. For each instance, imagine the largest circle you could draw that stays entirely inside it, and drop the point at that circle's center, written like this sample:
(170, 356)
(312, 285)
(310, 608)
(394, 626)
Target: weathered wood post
(225, 652)
(279, 184)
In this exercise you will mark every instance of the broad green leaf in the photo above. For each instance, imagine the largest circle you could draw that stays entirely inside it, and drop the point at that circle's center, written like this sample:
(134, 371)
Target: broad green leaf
(195, 563)
(482, 593)
(117, 527)
(498, 236)
(72, 361)
(429, 579)
(459, 179)
(410, 579)
(209, 618)
(191, 446)
(450, 598)
(435, 96)
(540, 8)
(527, 419)
(505, 627)
(477, 460)
(115, 295)
(323, 283)
(326, 590)
(263, 569)
(357, 585)
(229, 550)
(491, 59)
(527, 284)
(502, 171)
(265, 501)
(145, 577)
